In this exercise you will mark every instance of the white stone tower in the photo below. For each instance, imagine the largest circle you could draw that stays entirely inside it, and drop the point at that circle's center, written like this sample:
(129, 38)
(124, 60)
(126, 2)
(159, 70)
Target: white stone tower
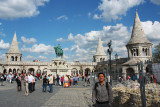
(14, 53)
(139, 47)
(100, 55)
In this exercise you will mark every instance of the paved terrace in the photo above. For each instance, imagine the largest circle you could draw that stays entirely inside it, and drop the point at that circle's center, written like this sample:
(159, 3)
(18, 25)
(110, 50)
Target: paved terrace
(75, 96)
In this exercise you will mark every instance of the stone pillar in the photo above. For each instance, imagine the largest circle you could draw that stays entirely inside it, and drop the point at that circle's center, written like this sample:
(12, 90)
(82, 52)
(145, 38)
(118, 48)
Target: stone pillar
(140, 51)
(129, 53)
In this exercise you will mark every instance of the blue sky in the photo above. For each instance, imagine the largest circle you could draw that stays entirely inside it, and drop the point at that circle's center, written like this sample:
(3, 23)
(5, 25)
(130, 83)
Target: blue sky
(75, 24)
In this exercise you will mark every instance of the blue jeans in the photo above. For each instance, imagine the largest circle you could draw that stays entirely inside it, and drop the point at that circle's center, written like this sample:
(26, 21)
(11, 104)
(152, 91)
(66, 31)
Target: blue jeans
(51, 88)
(44, 87)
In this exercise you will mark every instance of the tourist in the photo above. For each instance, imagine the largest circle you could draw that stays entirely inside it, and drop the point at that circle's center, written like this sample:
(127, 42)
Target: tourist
(70, 80)
(45, 83)
(76, 80)
(18, 80)
(58, 80)
(51, 83)
(33, 83)
(10, 78)
(2, 78)
(30, 80)
(26, 84)
(102, 98)
(62, 80)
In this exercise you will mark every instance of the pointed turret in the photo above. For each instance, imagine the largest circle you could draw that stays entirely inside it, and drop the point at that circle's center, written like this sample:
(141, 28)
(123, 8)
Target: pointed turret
(14, 46)
(100, 55)
(138, 35)
(14, 53)
(139, 47)
(100, 49)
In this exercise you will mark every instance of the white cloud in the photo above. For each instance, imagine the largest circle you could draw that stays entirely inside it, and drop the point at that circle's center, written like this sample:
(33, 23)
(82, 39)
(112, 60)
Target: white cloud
(114, 9)
(96, 16)
(89, 14)
(85, 45)
(65, 49)
(20, 8)
(3, 45)
(28, 40)
(41, 48)
(63, 17)
(42, 57)
(0, 23)
(152, 31)
(70, 38)
(156, 2)
(60, 40)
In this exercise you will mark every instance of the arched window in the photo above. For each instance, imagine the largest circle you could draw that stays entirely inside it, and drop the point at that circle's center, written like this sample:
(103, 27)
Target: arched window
(12, 58)
(134, 52)
(137, 52)
(146, 52)
(16, 58)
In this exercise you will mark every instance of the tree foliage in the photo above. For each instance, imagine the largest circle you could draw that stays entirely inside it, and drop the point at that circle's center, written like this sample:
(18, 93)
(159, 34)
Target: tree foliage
(156, 53)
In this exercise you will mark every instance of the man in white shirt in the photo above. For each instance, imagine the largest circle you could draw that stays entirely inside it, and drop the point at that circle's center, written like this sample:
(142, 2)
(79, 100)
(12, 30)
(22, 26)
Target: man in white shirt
(30, 81)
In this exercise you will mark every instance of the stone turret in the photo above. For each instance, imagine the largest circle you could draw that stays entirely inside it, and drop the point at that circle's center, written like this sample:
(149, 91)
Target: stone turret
(14, 53)
(139, 46)
(100, 55)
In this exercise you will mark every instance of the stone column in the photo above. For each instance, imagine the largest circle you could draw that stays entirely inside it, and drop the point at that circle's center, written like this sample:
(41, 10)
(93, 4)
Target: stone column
(140, 51)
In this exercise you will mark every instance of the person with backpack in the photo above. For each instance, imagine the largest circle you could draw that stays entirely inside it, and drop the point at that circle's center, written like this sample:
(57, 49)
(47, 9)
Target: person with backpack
(102, 95)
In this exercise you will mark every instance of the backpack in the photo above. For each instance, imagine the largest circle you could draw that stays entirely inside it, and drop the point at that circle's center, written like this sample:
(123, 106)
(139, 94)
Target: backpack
(96, 85)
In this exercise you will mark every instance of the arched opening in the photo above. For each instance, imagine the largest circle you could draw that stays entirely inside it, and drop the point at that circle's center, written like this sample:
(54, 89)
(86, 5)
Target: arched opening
(134, 52)
(130, 72)
(101, 60)
(16, 58)
(137, 52)
(12, 58)
(20, 58)
(74, 72)
(87, 71)
(31, 70)
(18, 71)
(10, 70)
(45, 71)
(14, 71)
(23, 71)
(4, 71)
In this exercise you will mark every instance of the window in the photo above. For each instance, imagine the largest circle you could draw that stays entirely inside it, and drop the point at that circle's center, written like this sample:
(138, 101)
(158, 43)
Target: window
(12, 58)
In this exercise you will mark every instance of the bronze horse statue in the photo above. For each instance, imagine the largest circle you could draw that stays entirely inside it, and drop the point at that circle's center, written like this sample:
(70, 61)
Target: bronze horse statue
(58, 51)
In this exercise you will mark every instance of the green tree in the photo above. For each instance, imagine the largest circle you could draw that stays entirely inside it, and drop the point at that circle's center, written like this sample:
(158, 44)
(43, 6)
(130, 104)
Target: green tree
(156, 53)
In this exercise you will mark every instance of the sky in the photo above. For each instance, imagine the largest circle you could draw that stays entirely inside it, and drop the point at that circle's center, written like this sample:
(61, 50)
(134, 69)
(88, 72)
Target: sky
(74, 24)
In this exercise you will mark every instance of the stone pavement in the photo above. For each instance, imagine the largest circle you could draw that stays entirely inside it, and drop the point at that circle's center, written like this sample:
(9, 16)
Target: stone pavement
(68, 97)
(75, 96)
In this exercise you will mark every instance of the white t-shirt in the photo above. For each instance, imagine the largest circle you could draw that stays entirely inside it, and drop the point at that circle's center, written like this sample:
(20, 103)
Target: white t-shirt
(30, 78)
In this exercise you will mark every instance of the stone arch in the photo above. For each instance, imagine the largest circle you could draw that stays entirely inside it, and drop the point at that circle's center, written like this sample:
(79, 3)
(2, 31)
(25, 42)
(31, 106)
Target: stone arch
(12, 58)
(45, 70)
(23, 71)
(5, 71)
(31, 70)
(130, 72)
(10, 70)
(16, 58)
(87, 71)
(14, 71)
(18, 71)
(74, 71)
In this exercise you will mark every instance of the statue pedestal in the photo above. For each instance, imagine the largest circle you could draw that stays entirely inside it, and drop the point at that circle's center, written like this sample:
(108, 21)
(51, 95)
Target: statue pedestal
(59, 66)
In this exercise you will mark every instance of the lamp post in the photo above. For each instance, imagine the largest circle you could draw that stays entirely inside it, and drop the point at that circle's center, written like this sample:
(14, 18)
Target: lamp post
(116, 58)
(110, 52)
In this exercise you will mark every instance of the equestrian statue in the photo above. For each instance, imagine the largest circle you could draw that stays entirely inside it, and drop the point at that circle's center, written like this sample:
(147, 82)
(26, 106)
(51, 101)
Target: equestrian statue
(58, 51)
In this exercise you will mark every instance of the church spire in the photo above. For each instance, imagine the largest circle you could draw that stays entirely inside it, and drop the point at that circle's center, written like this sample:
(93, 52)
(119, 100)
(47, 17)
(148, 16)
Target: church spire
(100, 49)
(14, 46)
(138, 35)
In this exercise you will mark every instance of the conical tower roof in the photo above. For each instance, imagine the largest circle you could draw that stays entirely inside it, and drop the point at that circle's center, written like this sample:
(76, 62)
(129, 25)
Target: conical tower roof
(138, 35)
(100, 49)
(14, 46)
